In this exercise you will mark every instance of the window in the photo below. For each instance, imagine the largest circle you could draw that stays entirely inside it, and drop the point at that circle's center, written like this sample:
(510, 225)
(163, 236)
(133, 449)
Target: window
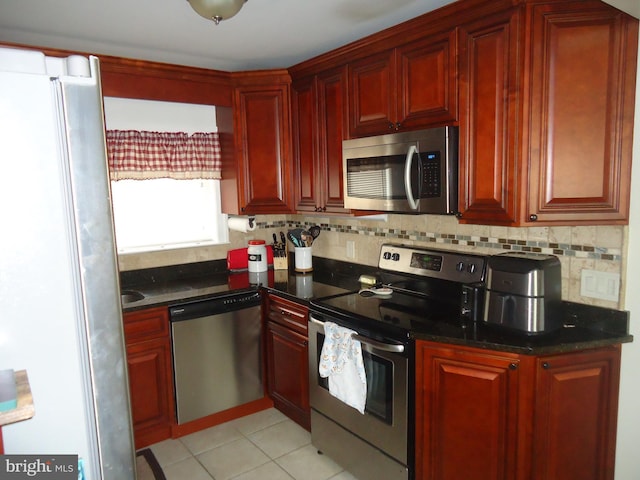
(164, 213)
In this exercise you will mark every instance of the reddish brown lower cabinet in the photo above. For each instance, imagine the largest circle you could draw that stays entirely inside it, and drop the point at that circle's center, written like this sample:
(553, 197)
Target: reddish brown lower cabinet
(466, 413)
(148, 347)
(483, 414)
(287, 358)
(576, 405)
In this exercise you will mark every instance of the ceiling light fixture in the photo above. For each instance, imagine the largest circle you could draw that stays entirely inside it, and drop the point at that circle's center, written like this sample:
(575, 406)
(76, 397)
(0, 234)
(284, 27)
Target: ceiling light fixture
(217, 10)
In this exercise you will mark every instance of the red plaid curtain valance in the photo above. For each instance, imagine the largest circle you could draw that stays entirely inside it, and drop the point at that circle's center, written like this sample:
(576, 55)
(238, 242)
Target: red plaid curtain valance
(140, 155)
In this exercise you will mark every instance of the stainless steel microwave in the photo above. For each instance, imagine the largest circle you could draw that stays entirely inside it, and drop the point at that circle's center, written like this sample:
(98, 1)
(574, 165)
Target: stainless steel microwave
(408, 172)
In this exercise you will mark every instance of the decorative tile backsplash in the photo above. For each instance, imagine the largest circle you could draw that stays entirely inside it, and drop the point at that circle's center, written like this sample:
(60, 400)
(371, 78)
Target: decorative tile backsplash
(608, 251)
(452, 239)
(600, 248)
(592, 247)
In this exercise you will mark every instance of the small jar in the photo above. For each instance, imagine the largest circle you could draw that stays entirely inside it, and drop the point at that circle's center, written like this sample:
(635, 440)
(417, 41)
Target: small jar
(257, 256)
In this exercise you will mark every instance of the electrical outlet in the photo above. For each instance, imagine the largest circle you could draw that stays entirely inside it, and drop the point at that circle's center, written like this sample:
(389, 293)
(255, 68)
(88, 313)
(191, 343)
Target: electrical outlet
(351, 249)
(602, 285)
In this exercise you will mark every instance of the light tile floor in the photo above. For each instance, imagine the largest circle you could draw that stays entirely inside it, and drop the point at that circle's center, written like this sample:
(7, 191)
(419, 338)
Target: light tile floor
(264, 446)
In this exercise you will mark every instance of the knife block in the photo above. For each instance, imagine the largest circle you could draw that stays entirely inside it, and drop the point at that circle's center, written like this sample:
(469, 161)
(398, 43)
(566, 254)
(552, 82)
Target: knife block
(281, 259)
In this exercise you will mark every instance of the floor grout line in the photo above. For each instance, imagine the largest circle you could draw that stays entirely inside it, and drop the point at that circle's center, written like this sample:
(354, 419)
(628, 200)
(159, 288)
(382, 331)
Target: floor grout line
(246, 437)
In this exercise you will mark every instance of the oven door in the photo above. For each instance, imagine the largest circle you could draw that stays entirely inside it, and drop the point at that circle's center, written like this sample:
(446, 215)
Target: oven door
(384, 423)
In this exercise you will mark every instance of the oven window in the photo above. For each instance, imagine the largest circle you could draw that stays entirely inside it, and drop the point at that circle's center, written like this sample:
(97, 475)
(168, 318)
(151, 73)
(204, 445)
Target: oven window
(379, 373)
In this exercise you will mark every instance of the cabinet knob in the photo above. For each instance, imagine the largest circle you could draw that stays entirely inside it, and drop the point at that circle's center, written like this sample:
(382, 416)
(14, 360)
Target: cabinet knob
(284, 313)
(398, 125)
(458, 214)
(513, 366)
(546, 366)
(391, 126)
(533, 217)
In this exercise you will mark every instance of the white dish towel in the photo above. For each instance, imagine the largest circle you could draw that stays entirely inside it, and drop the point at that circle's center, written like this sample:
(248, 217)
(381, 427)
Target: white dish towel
(341, 361)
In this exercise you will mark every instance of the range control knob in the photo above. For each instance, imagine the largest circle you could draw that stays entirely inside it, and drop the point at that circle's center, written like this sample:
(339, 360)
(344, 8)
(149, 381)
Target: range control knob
(395, 257)
(386, 255)
(471, 268)
(460, 267)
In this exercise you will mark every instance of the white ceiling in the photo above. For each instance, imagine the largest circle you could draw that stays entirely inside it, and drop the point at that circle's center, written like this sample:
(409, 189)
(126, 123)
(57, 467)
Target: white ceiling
(264, 34)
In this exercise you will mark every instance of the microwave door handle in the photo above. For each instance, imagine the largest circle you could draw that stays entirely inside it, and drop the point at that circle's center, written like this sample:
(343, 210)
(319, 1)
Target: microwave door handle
(413, 204)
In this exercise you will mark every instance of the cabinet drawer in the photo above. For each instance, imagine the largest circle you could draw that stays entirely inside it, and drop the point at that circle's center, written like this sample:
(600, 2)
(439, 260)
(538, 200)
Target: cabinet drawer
(287, 313)
(146, 324)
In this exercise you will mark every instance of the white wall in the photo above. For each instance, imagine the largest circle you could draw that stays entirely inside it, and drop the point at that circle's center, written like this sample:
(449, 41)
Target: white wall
(628, 450)
(133, 114)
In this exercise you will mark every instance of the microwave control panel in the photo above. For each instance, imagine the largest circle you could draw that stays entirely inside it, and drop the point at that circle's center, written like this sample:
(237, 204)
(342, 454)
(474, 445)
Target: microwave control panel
(431, 174)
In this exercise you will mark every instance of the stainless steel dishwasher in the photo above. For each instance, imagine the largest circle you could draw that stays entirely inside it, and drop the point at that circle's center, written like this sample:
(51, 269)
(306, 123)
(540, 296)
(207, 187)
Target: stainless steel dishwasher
(217, 353)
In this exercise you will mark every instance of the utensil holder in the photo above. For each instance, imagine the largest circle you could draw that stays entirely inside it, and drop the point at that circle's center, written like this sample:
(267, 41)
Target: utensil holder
(303, 259)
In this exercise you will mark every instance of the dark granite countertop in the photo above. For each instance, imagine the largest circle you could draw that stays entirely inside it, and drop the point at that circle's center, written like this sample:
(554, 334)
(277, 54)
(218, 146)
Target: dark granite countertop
(585, 326)
(168, 285)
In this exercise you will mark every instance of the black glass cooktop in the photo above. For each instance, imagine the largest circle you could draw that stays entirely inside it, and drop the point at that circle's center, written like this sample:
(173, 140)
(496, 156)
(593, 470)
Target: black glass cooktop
(398, 314)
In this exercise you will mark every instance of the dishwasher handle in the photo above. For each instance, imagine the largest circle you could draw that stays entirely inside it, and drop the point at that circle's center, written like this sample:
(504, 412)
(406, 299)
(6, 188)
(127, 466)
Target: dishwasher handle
(385, 347)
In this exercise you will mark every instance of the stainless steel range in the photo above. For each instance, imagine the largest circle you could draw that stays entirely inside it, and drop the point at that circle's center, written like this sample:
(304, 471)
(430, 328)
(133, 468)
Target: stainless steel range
(432, 290)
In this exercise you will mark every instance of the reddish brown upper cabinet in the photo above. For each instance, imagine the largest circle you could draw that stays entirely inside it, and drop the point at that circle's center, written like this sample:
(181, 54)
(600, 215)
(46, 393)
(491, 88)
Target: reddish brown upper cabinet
(148, 348)
(320, 107)
(257, 167)
(287, 346)
(409, 87)
(546, 114)
(305, 146)
(580, 89)
(489, 415)
(489, 99)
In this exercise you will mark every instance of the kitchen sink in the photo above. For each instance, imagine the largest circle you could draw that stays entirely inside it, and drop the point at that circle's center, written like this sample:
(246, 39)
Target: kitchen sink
(129, 296)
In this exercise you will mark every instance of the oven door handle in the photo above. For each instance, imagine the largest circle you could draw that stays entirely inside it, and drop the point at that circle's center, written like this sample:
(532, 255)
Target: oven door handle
(385, 347)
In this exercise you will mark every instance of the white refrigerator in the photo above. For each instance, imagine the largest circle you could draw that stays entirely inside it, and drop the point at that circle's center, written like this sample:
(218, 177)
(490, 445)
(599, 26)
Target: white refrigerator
(60, 312)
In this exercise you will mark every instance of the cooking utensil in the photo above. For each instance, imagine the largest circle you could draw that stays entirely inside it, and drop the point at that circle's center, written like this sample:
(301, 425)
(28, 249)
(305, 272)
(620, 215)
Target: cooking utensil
(307, 238)
(293, 239)
(379, 291)
(275, 239)
(297, 234)
(315, 231)
(283, 239)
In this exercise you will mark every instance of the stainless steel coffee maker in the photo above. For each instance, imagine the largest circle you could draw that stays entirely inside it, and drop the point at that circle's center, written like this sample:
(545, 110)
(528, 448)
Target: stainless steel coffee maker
(523, 292)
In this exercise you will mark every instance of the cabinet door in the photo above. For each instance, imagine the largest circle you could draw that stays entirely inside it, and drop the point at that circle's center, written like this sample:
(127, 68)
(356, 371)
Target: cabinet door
(582, 80)
(307, 175)
(288, 374)
(576, 411)
(488, 119)
(427, 82)
(371, 101)
(466, 413)
(263, 148)
(150, 383)
(332, 106)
